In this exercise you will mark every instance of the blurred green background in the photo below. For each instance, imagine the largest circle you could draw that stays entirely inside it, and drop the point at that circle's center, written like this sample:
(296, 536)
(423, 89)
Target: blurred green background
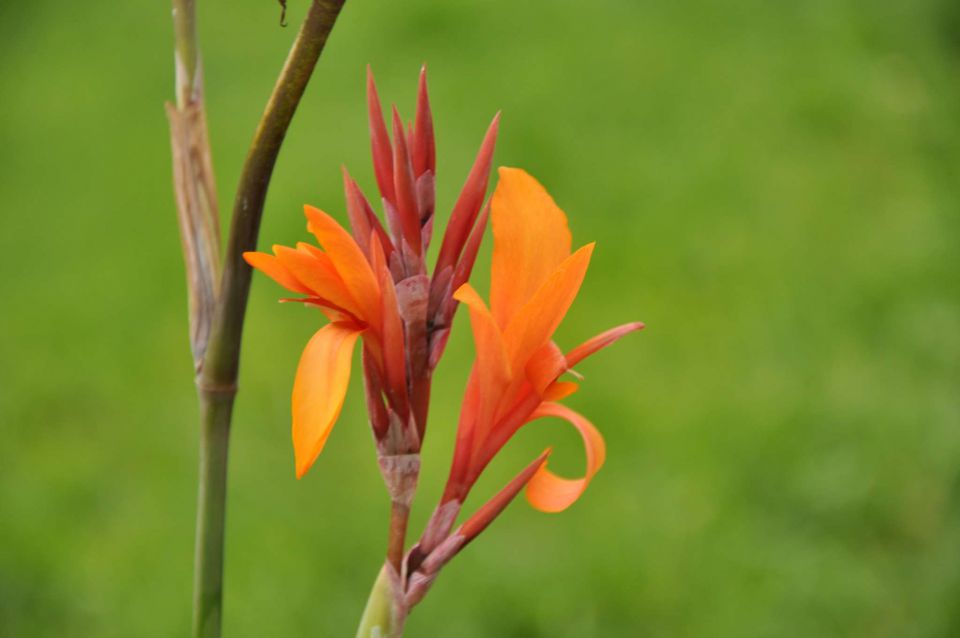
(773, 187)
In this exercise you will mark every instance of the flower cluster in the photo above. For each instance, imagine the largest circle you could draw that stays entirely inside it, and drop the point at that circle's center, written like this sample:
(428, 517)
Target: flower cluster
(374, 285)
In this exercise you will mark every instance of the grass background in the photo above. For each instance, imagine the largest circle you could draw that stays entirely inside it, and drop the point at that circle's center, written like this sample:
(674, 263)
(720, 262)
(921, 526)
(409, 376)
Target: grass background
(773, 188)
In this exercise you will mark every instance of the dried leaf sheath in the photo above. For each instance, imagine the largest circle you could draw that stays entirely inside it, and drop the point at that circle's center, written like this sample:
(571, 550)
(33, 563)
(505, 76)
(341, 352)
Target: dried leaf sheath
(197, 214)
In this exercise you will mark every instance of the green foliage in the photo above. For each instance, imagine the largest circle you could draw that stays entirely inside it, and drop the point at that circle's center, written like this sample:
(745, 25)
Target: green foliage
(773, 188)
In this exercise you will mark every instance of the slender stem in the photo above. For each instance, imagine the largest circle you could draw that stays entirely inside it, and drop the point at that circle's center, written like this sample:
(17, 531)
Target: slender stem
(399, 518)
(216, 409)
(379, 618)
(217, 378)
(223, 353)
(186, 48)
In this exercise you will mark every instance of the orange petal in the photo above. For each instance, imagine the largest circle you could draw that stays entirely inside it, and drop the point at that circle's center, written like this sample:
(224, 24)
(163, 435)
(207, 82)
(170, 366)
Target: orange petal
(316, 271)
(600, 342)
(273, 268)
(548, 492)
(559, 390)
(531, 238)
(492, 367)
(330, 310)
(531, 328)
(349, 261)
(546, 364)
(319, 390)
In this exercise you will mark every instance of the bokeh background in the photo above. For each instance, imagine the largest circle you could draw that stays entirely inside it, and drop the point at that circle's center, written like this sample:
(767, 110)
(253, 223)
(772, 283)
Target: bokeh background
(773, 187)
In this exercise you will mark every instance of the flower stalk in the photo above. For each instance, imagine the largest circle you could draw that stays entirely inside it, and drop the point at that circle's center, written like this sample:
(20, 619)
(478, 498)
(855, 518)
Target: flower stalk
(211, 504)
(380, 619)
(218, 295)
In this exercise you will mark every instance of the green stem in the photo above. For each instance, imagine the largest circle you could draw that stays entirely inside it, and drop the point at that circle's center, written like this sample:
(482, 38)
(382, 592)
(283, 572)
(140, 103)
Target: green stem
(216, 408)
(186, 48)
(399, 519)
(220, 363)
(379, 618)
(223, 353)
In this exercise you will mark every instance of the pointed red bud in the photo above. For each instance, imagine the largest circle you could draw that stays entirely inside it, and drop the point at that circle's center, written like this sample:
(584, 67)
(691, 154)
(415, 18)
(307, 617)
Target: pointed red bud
(423, 147)
(471, 198)
(469, 257)
(394, 356)
(373, 390)
(404, 189)
(359, 222)
(379, 141)
(492, 508)
(363, 220)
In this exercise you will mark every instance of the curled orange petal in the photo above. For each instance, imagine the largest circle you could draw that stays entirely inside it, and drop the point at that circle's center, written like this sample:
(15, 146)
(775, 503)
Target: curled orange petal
(548, 492)
(319, 390)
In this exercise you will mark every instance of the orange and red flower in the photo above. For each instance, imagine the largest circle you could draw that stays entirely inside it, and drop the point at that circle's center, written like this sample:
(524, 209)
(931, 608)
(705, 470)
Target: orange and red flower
(516, 378)
(374, 284)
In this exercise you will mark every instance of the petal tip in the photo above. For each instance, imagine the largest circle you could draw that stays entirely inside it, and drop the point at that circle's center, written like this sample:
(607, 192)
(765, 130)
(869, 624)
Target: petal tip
(463, 292)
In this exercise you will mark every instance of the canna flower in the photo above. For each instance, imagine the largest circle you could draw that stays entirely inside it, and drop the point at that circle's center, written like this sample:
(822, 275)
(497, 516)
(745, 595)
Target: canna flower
(373, 286)
(516, 378)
